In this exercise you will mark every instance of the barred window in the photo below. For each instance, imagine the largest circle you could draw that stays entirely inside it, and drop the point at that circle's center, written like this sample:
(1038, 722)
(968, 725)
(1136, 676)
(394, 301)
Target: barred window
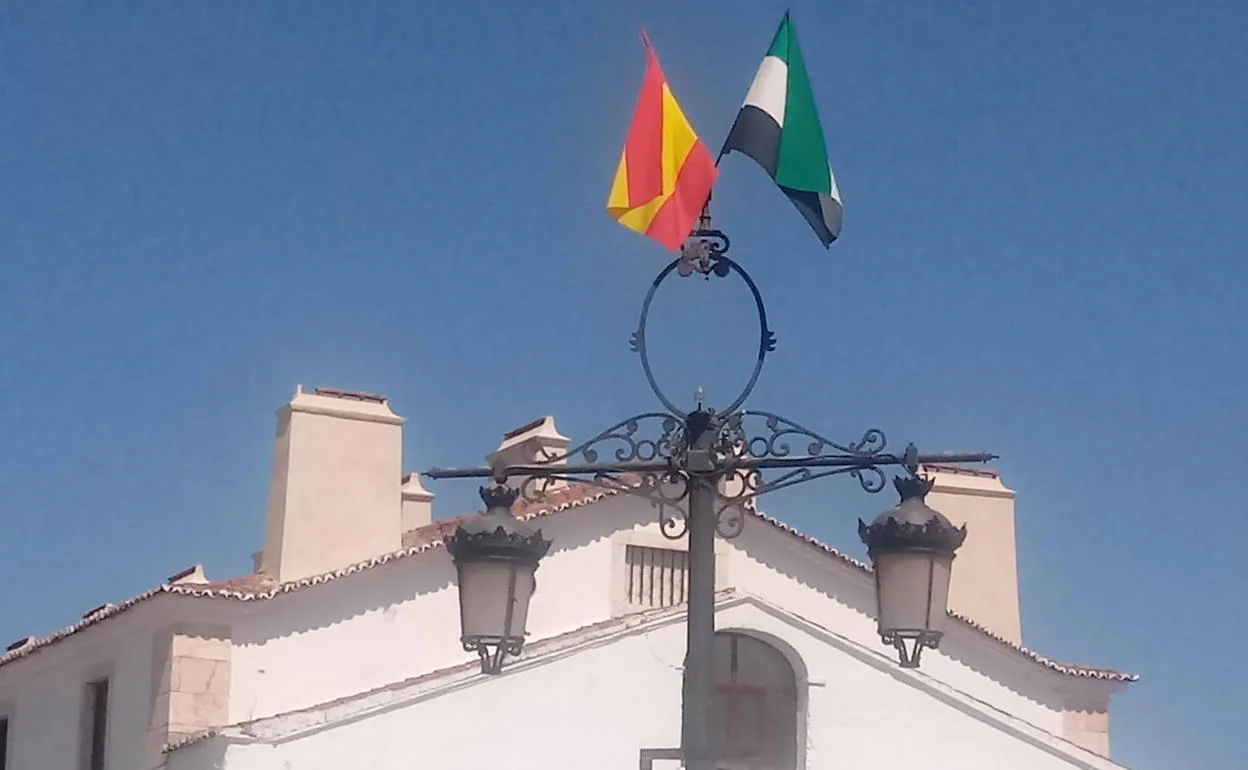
(657, 577)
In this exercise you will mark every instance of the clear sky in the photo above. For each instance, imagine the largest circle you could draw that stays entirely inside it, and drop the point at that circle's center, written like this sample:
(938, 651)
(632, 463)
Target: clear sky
(205, 204)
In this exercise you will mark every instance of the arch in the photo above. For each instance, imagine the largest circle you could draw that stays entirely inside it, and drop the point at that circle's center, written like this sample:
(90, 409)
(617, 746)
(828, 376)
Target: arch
(759, 702)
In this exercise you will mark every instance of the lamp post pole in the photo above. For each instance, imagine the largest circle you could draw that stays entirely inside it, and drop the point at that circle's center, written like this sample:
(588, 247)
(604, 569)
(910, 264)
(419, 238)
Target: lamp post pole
(702, 470)
(700, 625)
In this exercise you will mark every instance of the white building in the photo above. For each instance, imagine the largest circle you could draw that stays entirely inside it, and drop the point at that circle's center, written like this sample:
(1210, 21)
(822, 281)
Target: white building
(342, 650)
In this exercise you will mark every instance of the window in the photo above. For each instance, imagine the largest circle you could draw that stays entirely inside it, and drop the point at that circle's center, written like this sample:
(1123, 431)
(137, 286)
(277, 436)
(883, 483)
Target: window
(95, 723)
(657, 577)
(4, 743)
(755, 707)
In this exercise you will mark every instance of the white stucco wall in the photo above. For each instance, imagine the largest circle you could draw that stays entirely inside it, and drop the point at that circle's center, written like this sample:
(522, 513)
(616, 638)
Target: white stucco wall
(813, 585)
(43, 695)
(598, 706)
(400, 620)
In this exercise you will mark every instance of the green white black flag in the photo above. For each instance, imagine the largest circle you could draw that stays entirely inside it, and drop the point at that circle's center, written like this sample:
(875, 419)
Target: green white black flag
(778, 127)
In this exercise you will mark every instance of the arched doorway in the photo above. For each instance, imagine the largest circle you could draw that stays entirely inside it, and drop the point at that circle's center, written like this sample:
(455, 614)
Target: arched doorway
(755, 705)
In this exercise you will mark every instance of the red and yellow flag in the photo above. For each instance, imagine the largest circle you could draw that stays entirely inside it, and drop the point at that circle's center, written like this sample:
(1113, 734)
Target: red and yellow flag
(665, 173)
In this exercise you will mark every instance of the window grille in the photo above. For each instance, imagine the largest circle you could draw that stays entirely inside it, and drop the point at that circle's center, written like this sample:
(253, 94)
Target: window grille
(657, 577)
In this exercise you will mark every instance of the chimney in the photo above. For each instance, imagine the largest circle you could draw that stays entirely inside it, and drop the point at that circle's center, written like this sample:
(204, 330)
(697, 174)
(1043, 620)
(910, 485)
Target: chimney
(984, 584)
(535, 442)
(417, 503)
(334, 499)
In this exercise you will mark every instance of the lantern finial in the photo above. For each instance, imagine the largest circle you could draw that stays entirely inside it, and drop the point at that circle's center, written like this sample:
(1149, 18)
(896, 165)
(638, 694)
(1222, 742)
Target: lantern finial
(913, 487)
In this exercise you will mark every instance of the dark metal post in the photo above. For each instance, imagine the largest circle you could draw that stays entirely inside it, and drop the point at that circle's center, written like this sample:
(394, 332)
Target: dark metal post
(701, 431)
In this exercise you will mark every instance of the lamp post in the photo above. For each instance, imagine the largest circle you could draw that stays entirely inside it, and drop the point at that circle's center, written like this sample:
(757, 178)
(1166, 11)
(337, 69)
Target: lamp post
(702, 470)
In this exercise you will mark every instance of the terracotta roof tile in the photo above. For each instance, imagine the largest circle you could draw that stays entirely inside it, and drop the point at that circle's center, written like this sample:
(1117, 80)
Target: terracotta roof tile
(254, 583)
(433, 533)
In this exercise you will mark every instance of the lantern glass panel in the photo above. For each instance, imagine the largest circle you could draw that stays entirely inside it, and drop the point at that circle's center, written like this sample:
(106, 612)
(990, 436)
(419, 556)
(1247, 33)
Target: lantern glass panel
(487, 589)
(913, 591)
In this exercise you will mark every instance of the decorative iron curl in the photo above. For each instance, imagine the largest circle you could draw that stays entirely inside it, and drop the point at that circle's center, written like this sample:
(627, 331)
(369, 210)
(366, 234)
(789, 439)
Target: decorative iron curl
(739, 487)
(736, 492)
(534, 489)
(701, 254)
(870, 477)
(775, 443)
(665, 490)
(665, 445)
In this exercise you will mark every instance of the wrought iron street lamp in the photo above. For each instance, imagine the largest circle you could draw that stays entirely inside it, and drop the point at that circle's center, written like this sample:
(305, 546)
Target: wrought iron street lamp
(702, 470)
(911, 548)
(495, 559)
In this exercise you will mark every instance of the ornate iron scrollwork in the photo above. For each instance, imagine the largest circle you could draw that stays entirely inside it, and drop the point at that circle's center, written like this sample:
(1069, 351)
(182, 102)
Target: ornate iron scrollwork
(669, 457)
(632, 447)
(751, 453)
(780, 430)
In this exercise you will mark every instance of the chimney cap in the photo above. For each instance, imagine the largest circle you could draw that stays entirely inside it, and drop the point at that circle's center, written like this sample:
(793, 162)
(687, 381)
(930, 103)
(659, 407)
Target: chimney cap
(350, 395)
(963, 480)
(542, 428)
(97, 610)
(343, 403)
(412, 489)
(18, 644)
(192, 574)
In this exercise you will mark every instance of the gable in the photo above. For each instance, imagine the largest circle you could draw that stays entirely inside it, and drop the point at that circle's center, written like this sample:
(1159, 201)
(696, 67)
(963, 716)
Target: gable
(605, 692)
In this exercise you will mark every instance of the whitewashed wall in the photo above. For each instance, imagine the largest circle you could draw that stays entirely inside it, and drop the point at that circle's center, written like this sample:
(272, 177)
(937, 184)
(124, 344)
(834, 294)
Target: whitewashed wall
(400, 620)
(43, 695)
(599, 706)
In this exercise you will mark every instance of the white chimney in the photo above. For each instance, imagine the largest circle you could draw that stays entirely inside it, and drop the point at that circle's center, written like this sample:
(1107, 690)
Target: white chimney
(417, 503)
(334, 500)
(984, 583)
(536, 442)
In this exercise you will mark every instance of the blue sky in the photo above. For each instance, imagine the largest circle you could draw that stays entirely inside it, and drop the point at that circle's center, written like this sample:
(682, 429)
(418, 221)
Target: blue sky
(205, 204)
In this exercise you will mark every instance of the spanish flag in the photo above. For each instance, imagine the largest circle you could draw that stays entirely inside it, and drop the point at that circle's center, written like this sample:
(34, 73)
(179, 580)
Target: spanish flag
(665, 173)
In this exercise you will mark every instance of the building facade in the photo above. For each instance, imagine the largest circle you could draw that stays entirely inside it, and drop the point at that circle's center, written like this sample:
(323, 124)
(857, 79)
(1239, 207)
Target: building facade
(341, 650)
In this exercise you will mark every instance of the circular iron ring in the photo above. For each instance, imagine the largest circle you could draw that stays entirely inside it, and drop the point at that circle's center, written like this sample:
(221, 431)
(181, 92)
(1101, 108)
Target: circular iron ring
(722, 266)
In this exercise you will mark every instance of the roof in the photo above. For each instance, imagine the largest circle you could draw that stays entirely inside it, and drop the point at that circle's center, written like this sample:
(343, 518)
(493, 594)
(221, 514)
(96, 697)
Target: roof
(258, 587)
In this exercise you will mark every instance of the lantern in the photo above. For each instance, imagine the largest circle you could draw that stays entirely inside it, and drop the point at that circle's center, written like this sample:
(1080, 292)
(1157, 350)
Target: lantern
(495, 558)
(911, 549)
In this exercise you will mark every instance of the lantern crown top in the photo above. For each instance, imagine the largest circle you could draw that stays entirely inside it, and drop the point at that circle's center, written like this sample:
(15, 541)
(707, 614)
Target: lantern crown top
(912, 525)
(498, 496)
(497, 534)
(913, 487)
